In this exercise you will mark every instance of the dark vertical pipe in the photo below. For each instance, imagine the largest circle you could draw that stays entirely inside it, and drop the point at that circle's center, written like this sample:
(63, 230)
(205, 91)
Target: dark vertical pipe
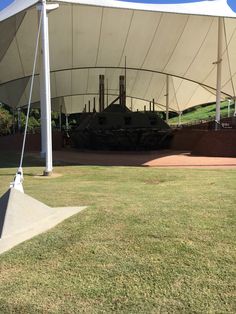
(125, 81)
(60, 122)
(94, 104)
(89, 107)
(101, 93)
(122, 90)
(13, 121)
(107, 94)
(153, 105)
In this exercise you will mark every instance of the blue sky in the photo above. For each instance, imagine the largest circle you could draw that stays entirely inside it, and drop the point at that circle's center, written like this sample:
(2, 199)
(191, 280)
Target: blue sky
(231, 3)
(5, 3)
(164, 1)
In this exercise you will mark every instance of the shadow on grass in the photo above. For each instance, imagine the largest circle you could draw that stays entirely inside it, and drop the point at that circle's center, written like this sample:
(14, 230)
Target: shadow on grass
(12, 160)
(86, 158)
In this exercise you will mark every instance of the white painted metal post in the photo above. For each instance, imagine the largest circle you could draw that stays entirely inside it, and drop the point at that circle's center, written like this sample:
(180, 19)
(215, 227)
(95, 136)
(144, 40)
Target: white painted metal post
(180, 114)
(45, 91)
(229, 105)
(42, 114)
(167, 98)
(219, 70)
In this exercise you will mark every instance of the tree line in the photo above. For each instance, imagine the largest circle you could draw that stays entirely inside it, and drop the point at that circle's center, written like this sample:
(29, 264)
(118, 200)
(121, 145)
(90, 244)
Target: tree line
(14, 121)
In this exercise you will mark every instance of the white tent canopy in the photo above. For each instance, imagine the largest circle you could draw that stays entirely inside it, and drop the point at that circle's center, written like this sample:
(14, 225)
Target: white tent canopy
(86, 41)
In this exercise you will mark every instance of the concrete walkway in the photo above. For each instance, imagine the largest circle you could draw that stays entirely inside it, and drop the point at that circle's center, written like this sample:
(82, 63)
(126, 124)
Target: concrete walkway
(163, 158)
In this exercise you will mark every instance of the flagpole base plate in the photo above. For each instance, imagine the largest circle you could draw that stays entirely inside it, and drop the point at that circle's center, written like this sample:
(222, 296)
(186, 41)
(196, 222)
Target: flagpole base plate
(47, 173)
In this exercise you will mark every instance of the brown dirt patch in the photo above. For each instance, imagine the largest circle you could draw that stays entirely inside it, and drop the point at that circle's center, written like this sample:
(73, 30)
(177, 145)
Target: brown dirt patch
(162, 158)
(52, 176)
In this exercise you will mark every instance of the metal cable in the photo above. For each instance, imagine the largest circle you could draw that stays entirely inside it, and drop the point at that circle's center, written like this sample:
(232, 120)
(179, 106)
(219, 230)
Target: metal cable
(31, 90)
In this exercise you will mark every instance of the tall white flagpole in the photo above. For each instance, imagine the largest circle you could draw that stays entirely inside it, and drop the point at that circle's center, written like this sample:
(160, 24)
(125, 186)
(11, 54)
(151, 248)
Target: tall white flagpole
(45, 90)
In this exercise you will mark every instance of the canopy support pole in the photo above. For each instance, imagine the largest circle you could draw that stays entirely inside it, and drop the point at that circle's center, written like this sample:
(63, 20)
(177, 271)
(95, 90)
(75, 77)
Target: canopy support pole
(60, 120)
(67, 122)
(13, 121)
(180, 115)
(19, 120)
(167, 98)
(45, 91)
(219, 71)
(42, 117)
(229, 107)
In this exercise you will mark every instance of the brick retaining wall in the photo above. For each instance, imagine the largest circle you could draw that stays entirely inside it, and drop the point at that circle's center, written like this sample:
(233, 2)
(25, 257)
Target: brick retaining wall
(220, 143)
(33, 142)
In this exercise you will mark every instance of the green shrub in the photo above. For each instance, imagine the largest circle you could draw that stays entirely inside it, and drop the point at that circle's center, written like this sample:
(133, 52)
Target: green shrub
(6, 121)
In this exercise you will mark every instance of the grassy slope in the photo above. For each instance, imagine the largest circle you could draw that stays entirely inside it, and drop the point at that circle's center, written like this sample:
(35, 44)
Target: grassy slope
(203, 113)
(151, 241)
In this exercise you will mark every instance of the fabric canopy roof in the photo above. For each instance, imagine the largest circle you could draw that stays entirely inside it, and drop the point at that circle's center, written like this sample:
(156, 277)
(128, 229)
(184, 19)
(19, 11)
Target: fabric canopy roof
(86, 41)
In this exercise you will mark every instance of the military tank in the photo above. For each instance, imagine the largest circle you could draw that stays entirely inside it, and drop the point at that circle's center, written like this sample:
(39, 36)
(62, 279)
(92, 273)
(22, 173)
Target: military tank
(118, 128)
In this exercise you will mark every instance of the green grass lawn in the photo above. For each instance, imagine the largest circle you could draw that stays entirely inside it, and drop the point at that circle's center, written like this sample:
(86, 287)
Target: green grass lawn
(151, 241)
(203, 113)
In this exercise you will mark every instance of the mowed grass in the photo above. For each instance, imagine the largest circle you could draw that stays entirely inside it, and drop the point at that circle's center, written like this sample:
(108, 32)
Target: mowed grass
(150, 241)
(203, 113)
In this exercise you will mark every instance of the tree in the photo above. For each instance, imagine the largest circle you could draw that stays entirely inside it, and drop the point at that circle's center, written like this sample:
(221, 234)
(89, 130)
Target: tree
(33, 122)
(6, 121)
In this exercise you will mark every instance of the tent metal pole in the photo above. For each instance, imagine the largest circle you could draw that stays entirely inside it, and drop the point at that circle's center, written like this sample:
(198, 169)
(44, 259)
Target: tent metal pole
(42, 99)
(180, 115)
(67, 122)
(19, 119)
(42, 116)
(219, 72)
(167, 98)
(13, 121)
(45, 91)
(60, 120)
(229, 107)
